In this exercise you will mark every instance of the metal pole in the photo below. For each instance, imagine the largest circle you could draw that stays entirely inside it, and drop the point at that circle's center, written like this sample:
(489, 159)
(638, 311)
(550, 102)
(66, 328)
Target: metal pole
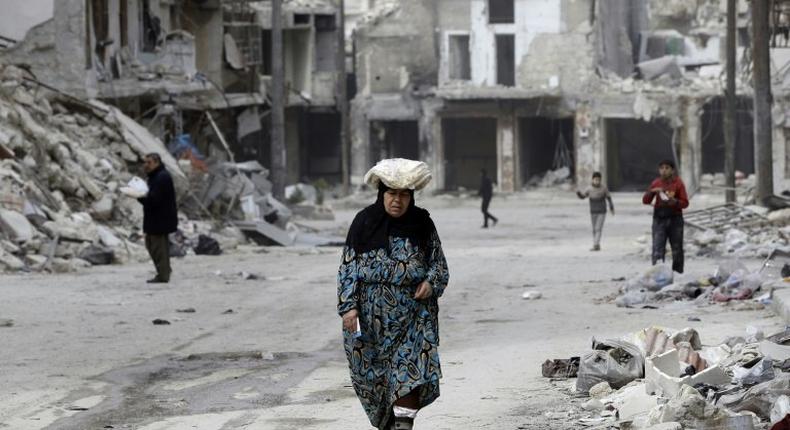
(278, 166)
(762, 100)
(730, 113)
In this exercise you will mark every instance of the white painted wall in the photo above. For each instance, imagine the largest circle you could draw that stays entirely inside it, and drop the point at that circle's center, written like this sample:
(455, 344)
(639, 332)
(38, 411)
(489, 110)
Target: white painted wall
(531, 18)
(19, 16)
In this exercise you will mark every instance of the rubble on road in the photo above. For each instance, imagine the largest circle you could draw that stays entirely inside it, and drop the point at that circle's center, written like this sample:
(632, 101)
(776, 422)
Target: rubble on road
(660, 378)
(733, 230)
(66, 180)
(731, 281)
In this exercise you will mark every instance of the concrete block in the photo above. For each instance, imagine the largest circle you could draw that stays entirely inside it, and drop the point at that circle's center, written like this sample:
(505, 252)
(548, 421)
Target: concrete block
(662, 375)
(16, 226)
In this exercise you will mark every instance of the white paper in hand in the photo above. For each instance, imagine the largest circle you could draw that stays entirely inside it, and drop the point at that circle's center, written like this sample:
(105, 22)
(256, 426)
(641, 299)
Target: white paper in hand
(137, 187)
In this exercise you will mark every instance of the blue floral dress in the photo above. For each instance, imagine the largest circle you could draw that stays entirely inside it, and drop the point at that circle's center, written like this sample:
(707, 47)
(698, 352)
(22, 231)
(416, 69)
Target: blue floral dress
(400, 335)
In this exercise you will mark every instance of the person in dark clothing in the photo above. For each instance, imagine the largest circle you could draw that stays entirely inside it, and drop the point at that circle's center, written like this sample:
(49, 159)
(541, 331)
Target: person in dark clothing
(160, 216)
(599, 195)
(671, 198)
(486, 192)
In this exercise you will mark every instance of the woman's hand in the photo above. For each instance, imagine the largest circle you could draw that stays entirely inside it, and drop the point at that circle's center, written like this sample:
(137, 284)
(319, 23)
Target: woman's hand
(424, 290)
(350, 320)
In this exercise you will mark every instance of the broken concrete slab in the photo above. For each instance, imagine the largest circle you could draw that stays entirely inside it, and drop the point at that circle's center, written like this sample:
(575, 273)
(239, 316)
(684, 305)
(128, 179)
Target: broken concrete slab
(663, 375)
(10, 262)
(265, 231)
(774, 350)
(16, 226)
(102, 209)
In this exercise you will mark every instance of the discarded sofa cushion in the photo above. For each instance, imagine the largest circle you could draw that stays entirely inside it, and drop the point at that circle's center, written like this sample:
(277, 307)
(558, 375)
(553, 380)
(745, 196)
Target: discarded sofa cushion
(207, 246)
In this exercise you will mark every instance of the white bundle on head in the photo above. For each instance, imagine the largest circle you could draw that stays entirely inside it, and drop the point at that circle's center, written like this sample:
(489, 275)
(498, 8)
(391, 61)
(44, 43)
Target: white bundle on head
(399, 174)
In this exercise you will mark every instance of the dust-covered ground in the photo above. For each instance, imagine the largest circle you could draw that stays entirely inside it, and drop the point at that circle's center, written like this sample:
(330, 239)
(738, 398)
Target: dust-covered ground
(266, 353)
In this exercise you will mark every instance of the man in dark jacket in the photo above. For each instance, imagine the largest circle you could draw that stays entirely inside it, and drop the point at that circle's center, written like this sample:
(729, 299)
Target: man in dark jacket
(486, 192)
(160, 216)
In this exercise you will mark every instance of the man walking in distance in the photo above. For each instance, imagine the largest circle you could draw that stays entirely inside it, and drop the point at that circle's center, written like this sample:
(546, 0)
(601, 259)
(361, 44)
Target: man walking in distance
(671, 198)
(486, 192)
(160, 216)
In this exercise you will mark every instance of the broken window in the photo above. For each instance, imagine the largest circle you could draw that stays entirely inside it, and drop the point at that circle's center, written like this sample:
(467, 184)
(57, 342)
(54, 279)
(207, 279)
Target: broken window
(325, 43)
(301, 19)
(459, 63)
(248, 40)
(501, 11)
(653, 46)
(506, 60)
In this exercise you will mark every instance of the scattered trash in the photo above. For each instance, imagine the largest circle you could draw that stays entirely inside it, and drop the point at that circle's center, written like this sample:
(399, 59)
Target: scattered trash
(160, 321)
(695, 319)
(561, 368)
(6, 323)
(186, 311)
(207, 246)
(612, 361)
(228, 312)
(531, 295)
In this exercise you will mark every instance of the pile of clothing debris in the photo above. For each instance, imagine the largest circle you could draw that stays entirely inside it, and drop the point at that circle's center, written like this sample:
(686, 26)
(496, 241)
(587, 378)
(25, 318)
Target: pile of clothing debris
(731, 281)
(62, 163)
(659, 378)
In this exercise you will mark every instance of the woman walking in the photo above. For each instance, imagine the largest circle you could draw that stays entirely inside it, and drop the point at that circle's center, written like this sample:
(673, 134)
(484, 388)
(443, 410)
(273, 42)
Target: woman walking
(392, 273)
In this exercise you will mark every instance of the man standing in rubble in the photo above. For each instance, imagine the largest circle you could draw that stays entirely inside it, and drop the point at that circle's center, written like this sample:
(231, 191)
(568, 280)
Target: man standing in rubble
(160, 216)
(669, 194)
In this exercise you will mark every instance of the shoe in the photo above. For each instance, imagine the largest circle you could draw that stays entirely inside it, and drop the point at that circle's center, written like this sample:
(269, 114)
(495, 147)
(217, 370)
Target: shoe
(403, 424)
(156, 281)
(495, 223)
(485, 226)
(595, 248)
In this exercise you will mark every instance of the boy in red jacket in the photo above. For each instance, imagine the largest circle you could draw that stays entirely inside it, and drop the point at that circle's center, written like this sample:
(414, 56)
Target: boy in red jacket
(670, 198)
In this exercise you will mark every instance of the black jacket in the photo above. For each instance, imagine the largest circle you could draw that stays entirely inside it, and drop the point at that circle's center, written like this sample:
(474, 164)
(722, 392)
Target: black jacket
(486, 188)
(160, 214)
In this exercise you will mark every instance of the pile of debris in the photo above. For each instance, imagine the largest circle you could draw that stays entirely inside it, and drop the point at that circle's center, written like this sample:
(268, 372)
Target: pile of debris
(731, 281)
(732, 230)
(553, 178)
(62, 163)
(659, 378)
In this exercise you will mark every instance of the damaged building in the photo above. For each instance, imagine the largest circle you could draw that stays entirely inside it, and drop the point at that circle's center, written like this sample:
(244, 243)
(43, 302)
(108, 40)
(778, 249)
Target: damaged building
(196, 73)
(524, 87)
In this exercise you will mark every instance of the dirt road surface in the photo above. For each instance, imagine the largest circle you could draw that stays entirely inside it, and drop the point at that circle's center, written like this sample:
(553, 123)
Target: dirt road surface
(266, 353)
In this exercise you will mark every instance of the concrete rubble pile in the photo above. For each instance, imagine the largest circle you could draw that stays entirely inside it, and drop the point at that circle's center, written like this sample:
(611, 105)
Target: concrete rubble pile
(660, 378)
(749, 239)
(732, 281)
(62, 163)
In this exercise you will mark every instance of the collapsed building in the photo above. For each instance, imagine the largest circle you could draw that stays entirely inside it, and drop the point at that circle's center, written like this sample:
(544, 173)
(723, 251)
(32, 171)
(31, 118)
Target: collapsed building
(179, 66)
(522, 87)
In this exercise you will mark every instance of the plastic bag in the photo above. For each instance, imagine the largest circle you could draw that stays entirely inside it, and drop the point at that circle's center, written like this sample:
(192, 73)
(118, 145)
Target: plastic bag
(612, 361)
(727, 268)
(761, 372)
(136, 188)
(656, 278)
